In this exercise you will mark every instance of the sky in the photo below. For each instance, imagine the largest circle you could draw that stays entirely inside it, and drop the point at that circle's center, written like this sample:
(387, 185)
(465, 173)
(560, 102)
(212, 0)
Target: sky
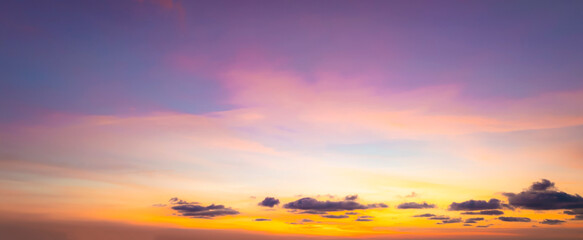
(176, 120)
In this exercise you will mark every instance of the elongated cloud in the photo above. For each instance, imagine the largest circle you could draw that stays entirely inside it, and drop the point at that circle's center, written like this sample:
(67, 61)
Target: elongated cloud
(473, 205)
(473, 220)
(364, 218)
(514, 219)
(552, 222)
(311, 204)
(178, 201)
(577, 212)
(453, 220)
(335, 216)
(484, 212)
(351, 197)
(425, 215)
(414, 205)
(198, 211)
(439, 218)
(543, 196)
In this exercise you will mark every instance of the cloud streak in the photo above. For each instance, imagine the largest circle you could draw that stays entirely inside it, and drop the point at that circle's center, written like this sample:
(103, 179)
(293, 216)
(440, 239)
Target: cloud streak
(473, 205)
(198, 211)
(311, 204)
(414, 205)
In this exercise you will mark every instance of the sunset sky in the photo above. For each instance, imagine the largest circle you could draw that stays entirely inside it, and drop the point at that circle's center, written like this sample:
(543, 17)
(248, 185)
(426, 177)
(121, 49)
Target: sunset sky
(176, 120)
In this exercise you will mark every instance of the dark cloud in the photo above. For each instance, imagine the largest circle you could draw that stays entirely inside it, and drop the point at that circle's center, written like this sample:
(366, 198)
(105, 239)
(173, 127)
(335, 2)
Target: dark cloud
(544, 196)
(570, 212)
(269, 202)
(335, 216)
(364, 218)
(514, 219)
(351, 197)
(425, 215)
(311, 204)
(453, 220)
(473, 205)
(177, 201)
(473, 220)
(377, 205)
(414, 205)
(351, 213)
(577, 212)
(467, 225)
(313, 212)
(485, 212)
(552, 222)
(197, 211)
(439, 218)
(543, 185)
(262, 220)
(484, 226)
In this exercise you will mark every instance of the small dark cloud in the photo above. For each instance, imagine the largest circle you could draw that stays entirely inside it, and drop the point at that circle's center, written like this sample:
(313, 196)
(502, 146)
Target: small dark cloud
(467, 225)
(552, 222)
(453, 220)
(262, 220)
(569, 212)
(364, 218)
(269, 202)
(543, 195)
(485, 212)
(543, 185)
(577, 212)
(351, 213)
(311, 204)
(439, 218)
(377, 205)
(177, 201)
(414, 205)
(158, 205)
(484, 226)
(351, 197)
(197, 211)
(303, 221)
(473, 220)
(474, 205)
(514, 219)
(425, 215)
(313, 212)
(335, 216)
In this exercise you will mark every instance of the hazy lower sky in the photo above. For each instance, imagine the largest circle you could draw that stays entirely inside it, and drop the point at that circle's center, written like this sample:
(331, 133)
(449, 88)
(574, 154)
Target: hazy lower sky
(172, 120)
